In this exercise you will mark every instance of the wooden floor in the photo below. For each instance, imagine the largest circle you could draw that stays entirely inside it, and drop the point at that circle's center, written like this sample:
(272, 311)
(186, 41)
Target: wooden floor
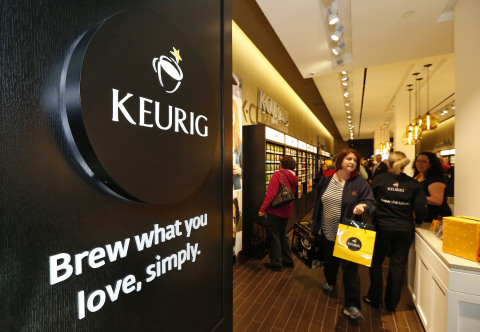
(292, 300)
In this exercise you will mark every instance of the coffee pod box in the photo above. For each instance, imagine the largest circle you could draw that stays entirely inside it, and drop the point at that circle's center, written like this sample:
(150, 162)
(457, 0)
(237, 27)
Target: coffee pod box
(461, 237)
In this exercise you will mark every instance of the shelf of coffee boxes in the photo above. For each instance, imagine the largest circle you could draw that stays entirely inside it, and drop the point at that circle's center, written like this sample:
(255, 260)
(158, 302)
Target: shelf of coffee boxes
(311, 155)
(274, 150)
(291, 146)
(302, 166)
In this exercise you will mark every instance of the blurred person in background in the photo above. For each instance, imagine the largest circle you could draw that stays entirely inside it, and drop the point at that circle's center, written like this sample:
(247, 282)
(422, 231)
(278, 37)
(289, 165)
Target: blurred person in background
(429, 172)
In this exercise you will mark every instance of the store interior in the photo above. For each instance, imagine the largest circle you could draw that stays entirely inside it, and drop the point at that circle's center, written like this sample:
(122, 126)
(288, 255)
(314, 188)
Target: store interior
(400, 63)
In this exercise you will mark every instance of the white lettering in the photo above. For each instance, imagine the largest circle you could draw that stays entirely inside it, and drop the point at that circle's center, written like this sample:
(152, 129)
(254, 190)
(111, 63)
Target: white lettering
(157, 117)
(179, 121)
(205, 132)
(55, 267)
(96, 300)
(119, 249)
(143, 111)
(96, 254)
(95, 259)
(118, 105)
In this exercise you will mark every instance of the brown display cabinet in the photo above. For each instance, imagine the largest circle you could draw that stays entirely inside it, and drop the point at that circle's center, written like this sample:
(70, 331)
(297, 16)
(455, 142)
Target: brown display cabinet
(263, 147)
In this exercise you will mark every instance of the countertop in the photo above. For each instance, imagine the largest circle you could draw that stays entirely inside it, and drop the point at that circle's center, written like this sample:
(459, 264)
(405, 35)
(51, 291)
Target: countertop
(452, 262)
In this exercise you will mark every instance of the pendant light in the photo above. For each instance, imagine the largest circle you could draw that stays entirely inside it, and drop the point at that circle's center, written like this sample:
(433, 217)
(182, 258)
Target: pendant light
(417, 122)
(408, 138)
(428, 121)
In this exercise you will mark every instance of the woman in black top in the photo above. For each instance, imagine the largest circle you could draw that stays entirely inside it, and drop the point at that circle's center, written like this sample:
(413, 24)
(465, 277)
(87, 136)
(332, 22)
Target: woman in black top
(429, 172)
(398, 197)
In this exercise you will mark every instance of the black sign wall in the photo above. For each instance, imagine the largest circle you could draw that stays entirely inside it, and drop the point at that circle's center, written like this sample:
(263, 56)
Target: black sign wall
(112, 137)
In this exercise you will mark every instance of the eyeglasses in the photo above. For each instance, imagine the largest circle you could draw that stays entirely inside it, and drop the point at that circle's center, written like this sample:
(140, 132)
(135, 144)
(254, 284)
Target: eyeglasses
(422, 161)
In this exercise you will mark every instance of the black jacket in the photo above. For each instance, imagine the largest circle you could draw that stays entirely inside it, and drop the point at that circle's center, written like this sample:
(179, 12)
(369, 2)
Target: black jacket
(381, 168)
(356, 191)
(397, 197)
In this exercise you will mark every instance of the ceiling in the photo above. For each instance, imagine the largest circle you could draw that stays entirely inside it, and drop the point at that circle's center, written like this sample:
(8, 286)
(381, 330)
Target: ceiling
(386, 41)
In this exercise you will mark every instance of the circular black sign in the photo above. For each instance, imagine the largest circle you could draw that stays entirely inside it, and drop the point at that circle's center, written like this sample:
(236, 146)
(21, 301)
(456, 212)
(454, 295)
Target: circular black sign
(141, 107)
(354, 244)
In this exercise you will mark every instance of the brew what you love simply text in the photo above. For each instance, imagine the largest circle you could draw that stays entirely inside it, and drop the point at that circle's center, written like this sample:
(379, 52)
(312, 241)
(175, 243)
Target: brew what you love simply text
(63, 267)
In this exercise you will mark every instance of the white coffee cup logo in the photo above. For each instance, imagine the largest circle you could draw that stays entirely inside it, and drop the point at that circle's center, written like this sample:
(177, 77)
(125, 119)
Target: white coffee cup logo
(169, 66)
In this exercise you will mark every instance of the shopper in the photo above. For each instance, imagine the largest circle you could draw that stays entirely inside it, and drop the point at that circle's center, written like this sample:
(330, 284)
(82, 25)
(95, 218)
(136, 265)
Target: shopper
(277, 218)
(399, 198)
(319, 174)
(380, 167)
(429, 172)
(342, 193)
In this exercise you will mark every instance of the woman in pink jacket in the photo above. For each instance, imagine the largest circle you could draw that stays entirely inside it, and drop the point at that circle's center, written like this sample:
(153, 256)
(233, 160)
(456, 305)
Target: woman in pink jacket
(277, 218)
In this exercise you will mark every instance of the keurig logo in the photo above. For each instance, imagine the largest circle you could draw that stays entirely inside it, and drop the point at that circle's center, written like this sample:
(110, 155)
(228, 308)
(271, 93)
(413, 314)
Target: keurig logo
(169, 66)
(141, 107)
(354, 244)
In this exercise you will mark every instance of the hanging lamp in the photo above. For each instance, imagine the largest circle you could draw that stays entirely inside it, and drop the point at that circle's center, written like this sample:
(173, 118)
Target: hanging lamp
(408, 137)
(428, 121)
(417, 122)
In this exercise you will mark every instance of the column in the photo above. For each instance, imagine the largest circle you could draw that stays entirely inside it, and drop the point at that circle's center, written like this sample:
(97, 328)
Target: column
(467, 113)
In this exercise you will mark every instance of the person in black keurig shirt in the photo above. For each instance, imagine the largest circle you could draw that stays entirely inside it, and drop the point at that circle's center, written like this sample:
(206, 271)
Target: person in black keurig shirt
(401, 201)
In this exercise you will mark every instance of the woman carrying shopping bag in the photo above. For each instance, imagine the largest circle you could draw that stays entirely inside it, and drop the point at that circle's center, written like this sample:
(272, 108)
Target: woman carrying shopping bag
(399, 198)
(341, 193)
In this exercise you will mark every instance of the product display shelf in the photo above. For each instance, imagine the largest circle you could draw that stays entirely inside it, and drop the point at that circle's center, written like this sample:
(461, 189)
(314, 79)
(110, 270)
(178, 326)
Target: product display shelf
(311, 158)
(310, 167)
(302, 179)
(273, 153)
(262, 149)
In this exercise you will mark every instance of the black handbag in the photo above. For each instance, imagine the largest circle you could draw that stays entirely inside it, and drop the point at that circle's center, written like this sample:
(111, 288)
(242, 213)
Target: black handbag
(284, 195)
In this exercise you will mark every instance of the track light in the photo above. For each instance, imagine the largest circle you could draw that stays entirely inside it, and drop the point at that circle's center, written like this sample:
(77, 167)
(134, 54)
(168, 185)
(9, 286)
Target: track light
(338, 32)
(337, 63)
(332, 17)
(339, 48)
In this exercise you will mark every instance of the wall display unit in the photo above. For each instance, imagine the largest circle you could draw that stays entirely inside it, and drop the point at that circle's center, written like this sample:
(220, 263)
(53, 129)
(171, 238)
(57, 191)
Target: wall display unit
(322, 157)
(262, 148)
(291, 149)
(273, 153)
(310, 166)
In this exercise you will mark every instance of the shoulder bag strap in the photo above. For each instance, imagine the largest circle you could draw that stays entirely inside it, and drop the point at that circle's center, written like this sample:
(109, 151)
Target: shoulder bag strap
(283, 179)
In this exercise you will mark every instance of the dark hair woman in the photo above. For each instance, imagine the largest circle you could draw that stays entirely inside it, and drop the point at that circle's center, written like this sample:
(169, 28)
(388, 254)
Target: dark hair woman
(341, 193)
(399, 198)
(429, 172)
(277, 218)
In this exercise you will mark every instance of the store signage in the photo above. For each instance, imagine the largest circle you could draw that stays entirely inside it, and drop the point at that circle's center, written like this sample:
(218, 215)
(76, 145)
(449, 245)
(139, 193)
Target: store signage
(302, 145)
(274, 135)
(141, 108)
(275, 114)
(291, 141)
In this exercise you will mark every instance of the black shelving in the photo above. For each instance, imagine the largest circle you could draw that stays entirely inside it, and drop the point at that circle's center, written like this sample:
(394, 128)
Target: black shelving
(262, 149)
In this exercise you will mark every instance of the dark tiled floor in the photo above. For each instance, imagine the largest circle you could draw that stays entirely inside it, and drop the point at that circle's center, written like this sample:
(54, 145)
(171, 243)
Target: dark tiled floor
(292, 300)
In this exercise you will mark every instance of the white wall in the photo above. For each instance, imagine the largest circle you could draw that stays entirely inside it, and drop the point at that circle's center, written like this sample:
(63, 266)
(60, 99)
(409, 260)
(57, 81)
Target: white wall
(467, 112)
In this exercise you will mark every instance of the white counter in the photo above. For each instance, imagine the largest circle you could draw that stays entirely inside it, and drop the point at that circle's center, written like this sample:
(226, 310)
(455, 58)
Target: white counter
(444, 288)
